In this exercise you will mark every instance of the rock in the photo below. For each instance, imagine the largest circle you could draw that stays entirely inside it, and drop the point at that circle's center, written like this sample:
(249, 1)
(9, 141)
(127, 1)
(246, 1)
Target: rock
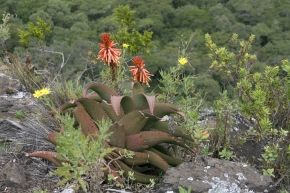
(248, 152)
(15, 176)
(70, 189)
(208, 175)
(9, 85)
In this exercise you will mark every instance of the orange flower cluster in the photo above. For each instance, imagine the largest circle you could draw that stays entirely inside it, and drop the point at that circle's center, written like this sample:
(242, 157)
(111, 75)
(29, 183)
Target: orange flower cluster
(109, 54)
(139, 73)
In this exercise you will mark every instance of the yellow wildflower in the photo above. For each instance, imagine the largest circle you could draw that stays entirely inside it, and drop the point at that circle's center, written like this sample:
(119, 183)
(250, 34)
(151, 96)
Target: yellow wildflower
(182, 61)
(39, 93)
(125, 45)
(45, 91)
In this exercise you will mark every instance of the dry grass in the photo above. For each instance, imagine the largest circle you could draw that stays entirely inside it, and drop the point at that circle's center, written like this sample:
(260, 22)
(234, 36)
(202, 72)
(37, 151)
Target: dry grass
(24, 72)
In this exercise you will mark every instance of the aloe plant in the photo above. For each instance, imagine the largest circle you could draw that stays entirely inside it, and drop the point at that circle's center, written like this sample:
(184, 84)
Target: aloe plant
(137, 126)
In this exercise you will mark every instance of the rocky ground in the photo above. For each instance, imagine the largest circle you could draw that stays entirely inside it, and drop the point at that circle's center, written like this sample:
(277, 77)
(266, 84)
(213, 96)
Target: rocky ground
(20, 174)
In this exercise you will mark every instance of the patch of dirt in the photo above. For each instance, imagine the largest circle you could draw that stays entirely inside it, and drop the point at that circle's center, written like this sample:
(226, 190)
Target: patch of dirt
(19, 173)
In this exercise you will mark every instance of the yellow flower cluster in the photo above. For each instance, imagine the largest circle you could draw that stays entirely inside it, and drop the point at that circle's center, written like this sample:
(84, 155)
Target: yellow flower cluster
(42, 92)
(182, 61)
(125, 45)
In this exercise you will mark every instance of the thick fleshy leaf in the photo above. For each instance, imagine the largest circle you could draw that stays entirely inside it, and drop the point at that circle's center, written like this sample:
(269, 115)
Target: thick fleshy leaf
(137, 88)
(142, 158)
(108, 108)
(135, 142)
(143, 168)
(162, 111)
(117, 138)
(95, 97)
(125, 102)
(94, 109)
(169, 159)
(139, 158)
(167, 105)
(133, 122)
(157, 161)
(87, 124)
(153, 138)
(66, 106)
(102, 90)
(48, 155)
(59, 129)
(51, 138)
(151, 103)
(175, 130)
(143, 101)
(152, 120)
(161, 148)
(139, 177)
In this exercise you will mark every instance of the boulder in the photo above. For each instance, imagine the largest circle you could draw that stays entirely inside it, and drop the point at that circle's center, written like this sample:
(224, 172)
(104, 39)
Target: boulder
(209, 175)
(250, 151)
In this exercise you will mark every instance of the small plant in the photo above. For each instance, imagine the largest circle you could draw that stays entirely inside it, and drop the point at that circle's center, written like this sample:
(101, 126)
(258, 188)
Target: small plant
(182, 190)
(84, 156)
(19, 115)
(4, 146)
(40, 191)
(179, 89)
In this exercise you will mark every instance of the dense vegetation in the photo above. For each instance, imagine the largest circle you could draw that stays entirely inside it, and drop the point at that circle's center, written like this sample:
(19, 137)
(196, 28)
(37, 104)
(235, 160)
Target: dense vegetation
(198, 49)
(77, 25)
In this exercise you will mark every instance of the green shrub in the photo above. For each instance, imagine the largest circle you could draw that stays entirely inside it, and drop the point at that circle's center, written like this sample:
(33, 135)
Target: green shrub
(263, 97)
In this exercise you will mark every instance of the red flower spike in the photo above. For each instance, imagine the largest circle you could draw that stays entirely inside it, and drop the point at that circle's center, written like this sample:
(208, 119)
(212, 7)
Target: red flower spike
(139, 73)
(109, 54)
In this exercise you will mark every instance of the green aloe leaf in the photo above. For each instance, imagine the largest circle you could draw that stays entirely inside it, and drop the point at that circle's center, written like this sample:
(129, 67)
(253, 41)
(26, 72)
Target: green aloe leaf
(102, 90)
(135, 142)
(94, 109)
(169, 159)
(87, 124)
(176, 130)
(156, 160)
(153, 138)
(133, 122)
(166, 105)
(66, 106)
(139, 158)
(125, 102)
(95, 97)
(142, 158)
(48, 155)
(163, 149)
(143, 101)
(117, 138)
(160, 111)
(137, 88)
(51, 138)
(108, 108)
(139, 177)
(152, 120)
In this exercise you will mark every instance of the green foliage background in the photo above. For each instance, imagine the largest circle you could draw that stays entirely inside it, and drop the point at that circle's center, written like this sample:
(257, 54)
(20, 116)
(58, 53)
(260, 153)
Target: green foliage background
(77, 26)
